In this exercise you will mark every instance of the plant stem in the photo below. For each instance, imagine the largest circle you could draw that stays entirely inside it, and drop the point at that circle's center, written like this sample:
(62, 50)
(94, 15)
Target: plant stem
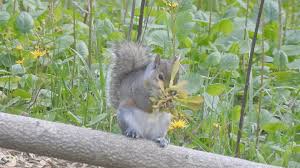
(90, 32)
(74, 36)
(237, 149)
(280, 25)
(131, 20)
(140, 28)
(209, 21)
(261, 91)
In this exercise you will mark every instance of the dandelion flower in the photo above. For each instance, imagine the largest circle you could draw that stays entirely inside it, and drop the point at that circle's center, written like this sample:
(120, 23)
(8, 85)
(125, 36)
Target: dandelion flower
(177, 124)
(37, 53)
(216, 125)
(19, 47)
(21, 61)
(173, 5)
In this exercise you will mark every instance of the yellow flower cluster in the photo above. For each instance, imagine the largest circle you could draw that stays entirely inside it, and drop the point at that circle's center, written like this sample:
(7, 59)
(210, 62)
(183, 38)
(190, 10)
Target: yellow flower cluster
(177, 124)
(38, 53)
(172, 5)
(21, 61)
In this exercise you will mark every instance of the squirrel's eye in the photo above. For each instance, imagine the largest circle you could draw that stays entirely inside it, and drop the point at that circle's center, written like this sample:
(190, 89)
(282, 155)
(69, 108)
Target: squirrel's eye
(161, 77)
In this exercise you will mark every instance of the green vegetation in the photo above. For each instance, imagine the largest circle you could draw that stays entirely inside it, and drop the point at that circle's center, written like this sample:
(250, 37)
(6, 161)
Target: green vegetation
(54, 56)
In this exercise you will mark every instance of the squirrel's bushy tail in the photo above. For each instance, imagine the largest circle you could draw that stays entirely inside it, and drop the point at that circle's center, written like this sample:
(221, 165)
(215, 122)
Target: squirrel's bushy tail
(126, 57)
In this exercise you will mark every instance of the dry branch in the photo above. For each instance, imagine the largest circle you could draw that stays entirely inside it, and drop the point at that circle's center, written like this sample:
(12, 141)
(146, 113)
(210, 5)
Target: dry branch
(100, 148)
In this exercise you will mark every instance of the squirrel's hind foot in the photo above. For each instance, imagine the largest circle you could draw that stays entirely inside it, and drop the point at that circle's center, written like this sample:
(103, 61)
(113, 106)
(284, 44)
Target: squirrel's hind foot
(163, 142)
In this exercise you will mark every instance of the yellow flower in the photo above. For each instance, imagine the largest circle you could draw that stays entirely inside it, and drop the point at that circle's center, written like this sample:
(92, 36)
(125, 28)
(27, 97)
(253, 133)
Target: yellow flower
(177, 124)
(216, 125)
(19, 47)
(37, 53)
(173, 5)
(21, 61)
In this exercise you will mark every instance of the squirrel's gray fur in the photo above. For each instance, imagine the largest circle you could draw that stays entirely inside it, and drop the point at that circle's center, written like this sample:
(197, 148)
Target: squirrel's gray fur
(134, 76)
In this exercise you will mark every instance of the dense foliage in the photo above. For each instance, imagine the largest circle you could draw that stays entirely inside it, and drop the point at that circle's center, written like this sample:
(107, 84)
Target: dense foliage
(54, 56)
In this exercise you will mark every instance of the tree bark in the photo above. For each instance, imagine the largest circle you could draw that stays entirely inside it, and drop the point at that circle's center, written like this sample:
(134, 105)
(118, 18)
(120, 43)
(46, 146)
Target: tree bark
(100, 148)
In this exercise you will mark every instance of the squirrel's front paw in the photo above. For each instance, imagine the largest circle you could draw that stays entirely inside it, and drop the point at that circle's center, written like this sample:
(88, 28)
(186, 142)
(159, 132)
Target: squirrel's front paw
(163, 142)
(131, 133)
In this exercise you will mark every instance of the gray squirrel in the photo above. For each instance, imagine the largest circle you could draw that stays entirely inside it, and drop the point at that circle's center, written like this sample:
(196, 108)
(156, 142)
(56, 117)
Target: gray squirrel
(133, 77)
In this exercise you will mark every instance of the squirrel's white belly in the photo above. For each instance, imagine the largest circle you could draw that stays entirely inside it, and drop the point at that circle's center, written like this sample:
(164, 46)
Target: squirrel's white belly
(154, 125)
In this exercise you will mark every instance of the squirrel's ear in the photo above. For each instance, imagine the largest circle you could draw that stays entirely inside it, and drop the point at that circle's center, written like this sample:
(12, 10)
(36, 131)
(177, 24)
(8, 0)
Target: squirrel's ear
(157, 61)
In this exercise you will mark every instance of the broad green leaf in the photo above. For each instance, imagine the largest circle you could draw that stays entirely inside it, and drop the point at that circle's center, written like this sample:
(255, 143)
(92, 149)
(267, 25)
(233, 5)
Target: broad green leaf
(215, 89)
(280, 59)
(295, 64)
(184, 24)
(272, 127)
(271, 11)
(271, 31)
(236, 113)
(229, 62)
(21, 93)
(225, 26)
(159, 38)
(17, 69)
(63, 43)
(292, 37)
(82, 48)
(213, 58)
(4, 17)
(7, 60)
(291, 50)
(287, 78)
(24, 22)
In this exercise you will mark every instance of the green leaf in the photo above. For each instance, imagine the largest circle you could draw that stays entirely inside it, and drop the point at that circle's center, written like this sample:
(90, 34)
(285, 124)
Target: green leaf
(215, 89)
(224, 25)
(292, 37)
(63, 43)
(25, 22)
(280, 59)
(236, 113)
(229, 62)
(72, 117)
(4, 17)
(291, 50)
(213, 58)
(271, 11)
(184, 24)
(287, 78)
(295, 64)
(272, 127)
(260, 157)
(7, 60)
(22, 93)
(271, 31)
(97, 119)
(159, 38)
(17, 69)
(82, 48)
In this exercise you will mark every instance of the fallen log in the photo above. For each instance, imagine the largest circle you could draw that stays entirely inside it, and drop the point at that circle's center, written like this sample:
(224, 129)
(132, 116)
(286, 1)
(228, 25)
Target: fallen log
(100, 148)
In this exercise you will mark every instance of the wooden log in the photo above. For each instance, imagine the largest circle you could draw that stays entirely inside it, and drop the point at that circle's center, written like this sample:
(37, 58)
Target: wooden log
(100, 148)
